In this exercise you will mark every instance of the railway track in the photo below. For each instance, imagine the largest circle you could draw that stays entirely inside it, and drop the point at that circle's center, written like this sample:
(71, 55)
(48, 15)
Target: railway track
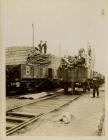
(20, 117)
(48, 96)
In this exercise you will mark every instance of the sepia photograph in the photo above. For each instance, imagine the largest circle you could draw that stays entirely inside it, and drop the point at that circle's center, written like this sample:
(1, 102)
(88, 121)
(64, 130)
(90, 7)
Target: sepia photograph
(55, 55)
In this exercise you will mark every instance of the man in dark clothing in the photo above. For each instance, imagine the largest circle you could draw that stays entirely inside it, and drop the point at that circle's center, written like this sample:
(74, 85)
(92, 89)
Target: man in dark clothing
(45, 47)
(95, 87)
(40, 46)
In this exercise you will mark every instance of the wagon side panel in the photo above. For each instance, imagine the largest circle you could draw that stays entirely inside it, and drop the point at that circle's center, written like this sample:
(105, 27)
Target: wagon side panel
(26, 72)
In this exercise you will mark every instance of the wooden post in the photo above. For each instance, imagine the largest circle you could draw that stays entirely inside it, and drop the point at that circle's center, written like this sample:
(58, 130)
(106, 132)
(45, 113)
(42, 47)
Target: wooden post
(33, 35)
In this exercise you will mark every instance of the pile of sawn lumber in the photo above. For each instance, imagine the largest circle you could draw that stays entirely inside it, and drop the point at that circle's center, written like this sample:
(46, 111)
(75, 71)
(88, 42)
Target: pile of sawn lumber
(38, 59)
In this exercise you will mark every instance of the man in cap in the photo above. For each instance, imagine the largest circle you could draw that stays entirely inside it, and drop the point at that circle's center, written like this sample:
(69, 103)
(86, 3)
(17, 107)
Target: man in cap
(95, 87)
(40, 46)
(45, 47)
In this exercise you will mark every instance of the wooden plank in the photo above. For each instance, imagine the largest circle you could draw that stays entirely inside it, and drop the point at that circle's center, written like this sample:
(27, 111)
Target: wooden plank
(15, 119)
(25, 114)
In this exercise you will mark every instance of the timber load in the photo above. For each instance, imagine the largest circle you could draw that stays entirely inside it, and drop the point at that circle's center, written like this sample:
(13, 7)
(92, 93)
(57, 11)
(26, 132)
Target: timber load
(38, 59)
(83, 59)
(77, 69)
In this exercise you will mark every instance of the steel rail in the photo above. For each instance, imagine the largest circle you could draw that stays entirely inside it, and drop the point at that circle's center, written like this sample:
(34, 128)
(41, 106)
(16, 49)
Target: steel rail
(33, 119)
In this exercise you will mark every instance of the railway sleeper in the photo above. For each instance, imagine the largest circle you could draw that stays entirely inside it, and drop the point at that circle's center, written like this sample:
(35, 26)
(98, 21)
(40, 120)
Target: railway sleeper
(8, 126)
(15, 119)
(23, 124)
(24, 114)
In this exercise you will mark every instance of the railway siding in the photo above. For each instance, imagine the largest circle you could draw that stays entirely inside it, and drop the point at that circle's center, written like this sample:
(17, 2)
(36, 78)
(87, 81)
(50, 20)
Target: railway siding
(16, 102)
(41, 108)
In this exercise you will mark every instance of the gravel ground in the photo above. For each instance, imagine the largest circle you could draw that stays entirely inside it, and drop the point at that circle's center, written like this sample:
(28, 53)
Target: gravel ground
(86, 113)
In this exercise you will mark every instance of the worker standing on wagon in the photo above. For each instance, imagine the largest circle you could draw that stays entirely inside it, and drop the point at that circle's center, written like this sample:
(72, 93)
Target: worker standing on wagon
(40, 46)
(45, 47)
(95, 87)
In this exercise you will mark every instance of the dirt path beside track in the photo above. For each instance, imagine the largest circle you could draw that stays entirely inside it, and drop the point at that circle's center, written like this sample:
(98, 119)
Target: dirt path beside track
(86, 115)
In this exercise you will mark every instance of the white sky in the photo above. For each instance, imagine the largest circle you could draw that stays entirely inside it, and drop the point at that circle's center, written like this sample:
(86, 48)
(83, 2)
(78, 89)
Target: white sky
(66, 23)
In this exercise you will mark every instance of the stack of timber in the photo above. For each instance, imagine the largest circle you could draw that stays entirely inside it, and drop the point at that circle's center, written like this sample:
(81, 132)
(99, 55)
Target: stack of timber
(78, 67)
(49, 60)
(41, 59)
(17, 54)
(83, 59)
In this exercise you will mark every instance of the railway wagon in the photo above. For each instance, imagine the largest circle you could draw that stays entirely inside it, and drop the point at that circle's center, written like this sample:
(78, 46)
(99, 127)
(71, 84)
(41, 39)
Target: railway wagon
(23, 78)
(18, 78)
(44, 77)
(78, 77)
